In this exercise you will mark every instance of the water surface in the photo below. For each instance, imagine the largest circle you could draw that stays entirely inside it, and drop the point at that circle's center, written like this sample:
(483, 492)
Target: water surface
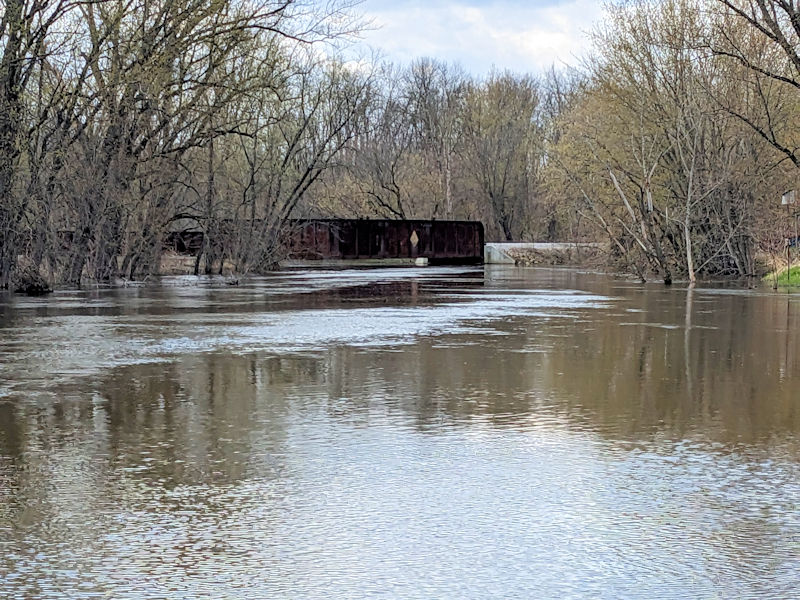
(401, 433)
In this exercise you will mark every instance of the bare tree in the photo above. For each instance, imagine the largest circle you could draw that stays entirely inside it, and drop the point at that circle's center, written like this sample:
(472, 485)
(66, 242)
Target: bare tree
(437, 96)
(764, 37)
(26, 42)
(500, 127)
(316, 117)
(383, 164)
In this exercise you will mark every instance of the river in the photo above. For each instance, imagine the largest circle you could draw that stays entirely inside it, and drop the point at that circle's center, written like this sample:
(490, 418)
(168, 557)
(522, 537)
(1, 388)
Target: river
(401, 433)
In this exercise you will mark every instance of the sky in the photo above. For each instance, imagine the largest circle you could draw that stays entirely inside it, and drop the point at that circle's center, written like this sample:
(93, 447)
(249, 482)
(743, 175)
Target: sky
(480, 34)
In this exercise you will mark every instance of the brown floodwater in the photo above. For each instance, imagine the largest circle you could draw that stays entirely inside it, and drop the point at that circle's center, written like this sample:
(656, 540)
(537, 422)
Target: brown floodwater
(401, 433)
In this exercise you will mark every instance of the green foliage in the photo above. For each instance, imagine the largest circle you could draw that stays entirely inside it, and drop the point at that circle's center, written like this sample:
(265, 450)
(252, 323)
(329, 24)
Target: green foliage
(784, 278)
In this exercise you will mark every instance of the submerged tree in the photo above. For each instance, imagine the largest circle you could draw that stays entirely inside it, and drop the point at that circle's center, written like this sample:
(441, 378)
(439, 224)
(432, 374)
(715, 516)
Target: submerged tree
(109, 108)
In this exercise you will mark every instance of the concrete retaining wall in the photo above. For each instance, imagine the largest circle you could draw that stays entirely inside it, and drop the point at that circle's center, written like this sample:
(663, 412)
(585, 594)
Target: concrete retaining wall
(499, 253)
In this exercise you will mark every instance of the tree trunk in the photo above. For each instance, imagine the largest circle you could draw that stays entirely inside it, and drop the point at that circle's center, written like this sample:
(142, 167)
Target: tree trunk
(655, 242)
(10, 111)
(505, 223)
(77, 261)
(448, 188)
(207, 239)
(689, 259)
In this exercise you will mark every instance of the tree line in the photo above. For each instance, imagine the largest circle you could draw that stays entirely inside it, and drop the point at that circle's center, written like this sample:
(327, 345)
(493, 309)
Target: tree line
(124, 120)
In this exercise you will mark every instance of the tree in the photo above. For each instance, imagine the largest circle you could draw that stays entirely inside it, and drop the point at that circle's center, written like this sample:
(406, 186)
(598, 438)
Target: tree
(383, 164)
(664, 179)
(764, 37)
(500, 129)
(313, 120)
(436, 94)
(108, 108)
(26, 42)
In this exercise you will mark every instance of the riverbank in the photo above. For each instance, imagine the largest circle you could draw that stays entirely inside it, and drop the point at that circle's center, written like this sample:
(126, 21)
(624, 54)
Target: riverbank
(783, 278)
(592, 256)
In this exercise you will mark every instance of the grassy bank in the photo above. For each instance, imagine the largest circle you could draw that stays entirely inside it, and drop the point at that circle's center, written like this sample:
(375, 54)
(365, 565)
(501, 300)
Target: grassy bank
(784, 279)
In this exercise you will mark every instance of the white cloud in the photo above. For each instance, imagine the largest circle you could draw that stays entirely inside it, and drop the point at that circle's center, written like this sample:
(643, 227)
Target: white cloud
(507, 34)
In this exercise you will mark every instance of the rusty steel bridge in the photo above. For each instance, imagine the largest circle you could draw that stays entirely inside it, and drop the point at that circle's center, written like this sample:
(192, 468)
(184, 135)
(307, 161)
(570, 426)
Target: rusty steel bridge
(440, 242)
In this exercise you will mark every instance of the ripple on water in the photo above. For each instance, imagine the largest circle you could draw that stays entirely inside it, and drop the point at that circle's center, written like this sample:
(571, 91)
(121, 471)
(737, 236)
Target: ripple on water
(468, 512)
(502, 442)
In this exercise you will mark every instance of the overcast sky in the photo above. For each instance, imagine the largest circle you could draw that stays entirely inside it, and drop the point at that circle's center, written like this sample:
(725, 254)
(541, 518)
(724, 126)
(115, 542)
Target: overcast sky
(509, 34)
